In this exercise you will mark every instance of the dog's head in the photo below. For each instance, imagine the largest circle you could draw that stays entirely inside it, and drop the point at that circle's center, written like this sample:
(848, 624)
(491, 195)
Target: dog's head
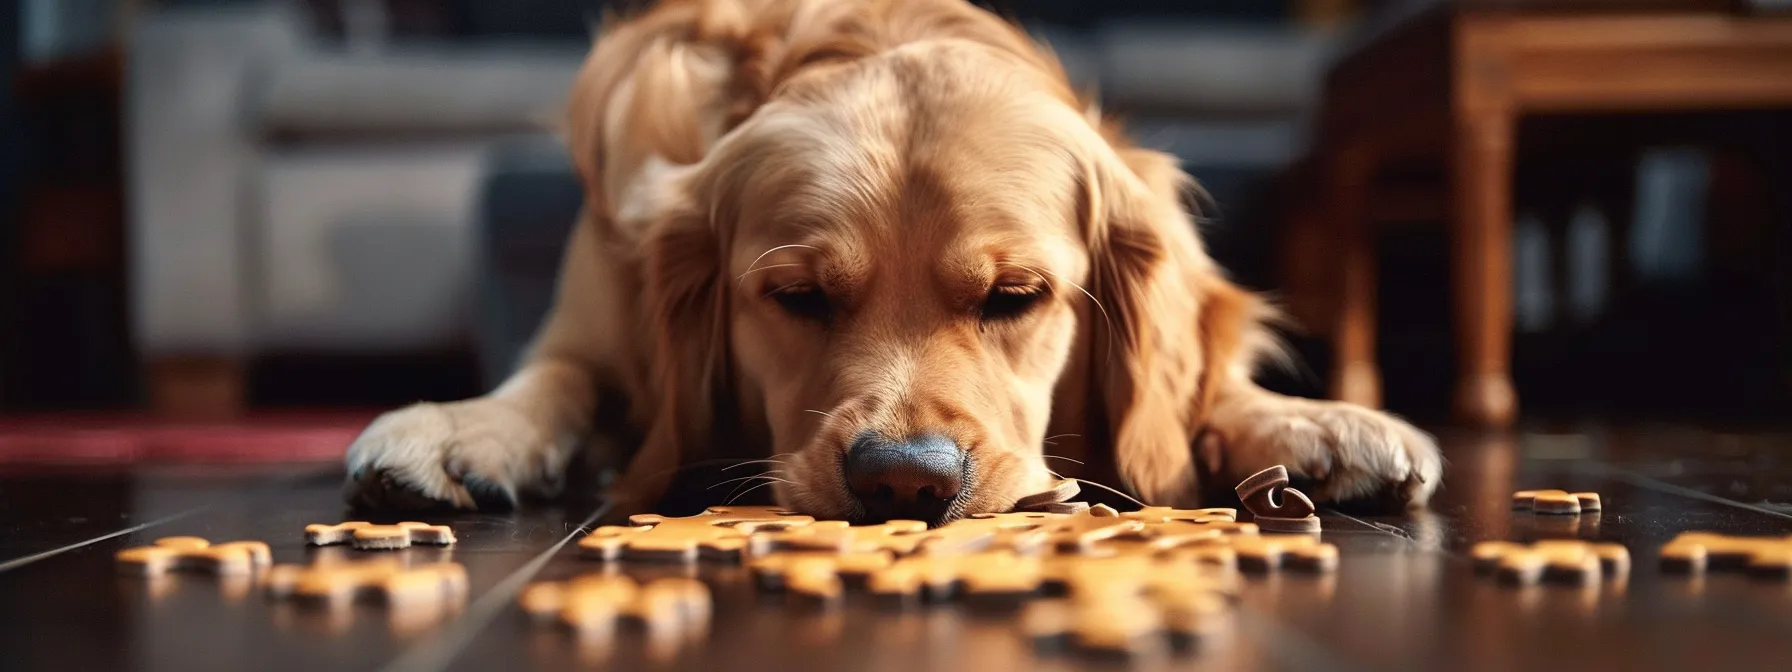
(891, 265)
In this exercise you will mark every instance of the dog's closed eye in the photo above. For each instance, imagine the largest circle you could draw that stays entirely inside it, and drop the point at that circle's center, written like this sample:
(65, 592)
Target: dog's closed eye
(1009, 302)
(803, 300)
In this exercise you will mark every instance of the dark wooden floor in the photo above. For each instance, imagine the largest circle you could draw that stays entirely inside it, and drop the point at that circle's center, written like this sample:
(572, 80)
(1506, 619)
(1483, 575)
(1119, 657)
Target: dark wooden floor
(1405, 596)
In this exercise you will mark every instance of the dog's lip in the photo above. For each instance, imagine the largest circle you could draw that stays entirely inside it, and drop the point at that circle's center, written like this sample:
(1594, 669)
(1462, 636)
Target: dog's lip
(967, 485)
(855, 512)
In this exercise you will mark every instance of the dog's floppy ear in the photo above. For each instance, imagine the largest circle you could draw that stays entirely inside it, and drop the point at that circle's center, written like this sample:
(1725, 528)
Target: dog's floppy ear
(1173, 325)
(683, 299)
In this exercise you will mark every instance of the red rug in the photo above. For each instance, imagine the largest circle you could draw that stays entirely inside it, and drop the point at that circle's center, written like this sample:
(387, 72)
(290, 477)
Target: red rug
(131, 438)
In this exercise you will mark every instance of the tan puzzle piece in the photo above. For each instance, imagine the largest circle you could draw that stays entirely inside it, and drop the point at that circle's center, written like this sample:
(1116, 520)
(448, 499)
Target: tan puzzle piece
(195, 554)
(1080, 532)
(429, 586)
(816, 575)
(1085, 577)
(1128, 625)
(901, 537)
(988, 574)
(1022, 534)
(368, 536)
(1165, 514)
(1266, 553)
(1564, 560)
(592, 605)
(1007, 576)
(1207, 543)
(1067, 533)
(1697, 552)
(1221, 558)
(1124, 605)
(719, 533)
(1559, 502)
(1016, 518)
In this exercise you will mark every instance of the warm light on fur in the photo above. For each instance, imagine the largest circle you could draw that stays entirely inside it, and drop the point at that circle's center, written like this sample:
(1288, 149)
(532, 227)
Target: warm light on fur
(893, 162)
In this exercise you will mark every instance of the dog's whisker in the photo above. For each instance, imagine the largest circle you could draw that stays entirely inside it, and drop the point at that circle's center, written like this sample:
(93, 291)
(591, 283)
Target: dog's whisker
(745, 478)
(1063, 436)
(1066, 459)
(758, 477)
(748, 490)
(766, 460)
(731, 462)
(824, 414)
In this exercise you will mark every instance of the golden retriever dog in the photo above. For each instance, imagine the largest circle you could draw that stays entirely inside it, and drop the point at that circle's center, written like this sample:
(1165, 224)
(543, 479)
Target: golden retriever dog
(884, 244)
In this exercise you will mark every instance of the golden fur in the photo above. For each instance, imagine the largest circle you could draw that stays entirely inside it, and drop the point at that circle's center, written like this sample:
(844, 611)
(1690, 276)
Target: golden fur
(797, 212)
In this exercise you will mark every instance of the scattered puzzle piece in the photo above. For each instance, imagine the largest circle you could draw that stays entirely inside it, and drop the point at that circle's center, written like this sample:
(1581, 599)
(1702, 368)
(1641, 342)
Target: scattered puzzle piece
(1025, 535)
(1589, 501)
(1070, 533)
(1261, 553)
(368, 536)
(1131, 582)
(816, 575)
(1209, 543)
(1276, 507)
(195, 554)
(1164, 514)
(1080, 532)
(1564, 560)
(592, 605)
(424, 587)
(1080, 576)
(1697, 552)
(988, 575)
(1221, 558)
(1560, 502)
(837, 536)
(718, 533)
(1127, 605)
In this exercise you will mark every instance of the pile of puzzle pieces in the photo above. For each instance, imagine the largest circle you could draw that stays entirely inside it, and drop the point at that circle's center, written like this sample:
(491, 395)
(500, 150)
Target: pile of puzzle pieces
(416, 594)
(1095, 579)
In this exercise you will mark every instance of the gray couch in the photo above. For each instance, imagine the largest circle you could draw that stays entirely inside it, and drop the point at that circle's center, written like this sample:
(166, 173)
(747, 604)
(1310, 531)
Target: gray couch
(293, 194)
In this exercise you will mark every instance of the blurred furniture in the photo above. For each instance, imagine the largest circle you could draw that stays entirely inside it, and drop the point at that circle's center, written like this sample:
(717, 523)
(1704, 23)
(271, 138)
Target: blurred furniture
(1446, 85)
(528, 203)
(290, 192)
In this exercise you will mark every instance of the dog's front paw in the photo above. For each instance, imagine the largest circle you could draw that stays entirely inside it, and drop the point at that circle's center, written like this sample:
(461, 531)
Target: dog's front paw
(478, 454)
(1350, 453)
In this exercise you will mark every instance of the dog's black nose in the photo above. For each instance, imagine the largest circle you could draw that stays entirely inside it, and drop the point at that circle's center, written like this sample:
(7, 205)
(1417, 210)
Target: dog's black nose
(915, 479)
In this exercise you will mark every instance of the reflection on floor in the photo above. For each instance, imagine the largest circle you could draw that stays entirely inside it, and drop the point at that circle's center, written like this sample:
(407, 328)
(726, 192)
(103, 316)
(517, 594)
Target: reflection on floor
(1406, 593)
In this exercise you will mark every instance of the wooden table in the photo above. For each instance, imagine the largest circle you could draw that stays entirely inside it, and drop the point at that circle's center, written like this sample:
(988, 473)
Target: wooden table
(1449, 86)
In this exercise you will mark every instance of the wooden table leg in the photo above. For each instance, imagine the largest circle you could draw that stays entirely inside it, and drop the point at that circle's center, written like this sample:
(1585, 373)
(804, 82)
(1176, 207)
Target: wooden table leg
(1355, 377)
(1482, 267)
